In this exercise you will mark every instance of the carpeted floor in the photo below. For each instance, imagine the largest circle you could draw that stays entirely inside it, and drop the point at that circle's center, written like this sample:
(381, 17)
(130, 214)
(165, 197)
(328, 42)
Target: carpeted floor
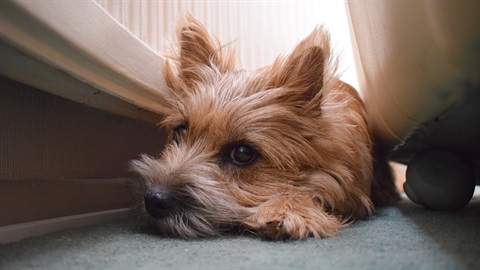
(405, 236)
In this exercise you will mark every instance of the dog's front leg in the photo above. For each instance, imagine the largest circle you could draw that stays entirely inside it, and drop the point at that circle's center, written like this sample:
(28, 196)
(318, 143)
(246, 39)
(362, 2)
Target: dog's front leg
(293, 217)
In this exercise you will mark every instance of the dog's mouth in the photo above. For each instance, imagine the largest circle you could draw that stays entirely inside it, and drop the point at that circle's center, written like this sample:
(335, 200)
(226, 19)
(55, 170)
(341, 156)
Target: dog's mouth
(179, 213)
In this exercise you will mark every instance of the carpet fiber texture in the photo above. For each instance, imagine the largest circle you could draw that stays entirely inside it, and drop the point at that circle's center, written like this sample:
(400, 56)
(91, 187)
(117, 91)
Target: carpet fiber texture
(404, 236)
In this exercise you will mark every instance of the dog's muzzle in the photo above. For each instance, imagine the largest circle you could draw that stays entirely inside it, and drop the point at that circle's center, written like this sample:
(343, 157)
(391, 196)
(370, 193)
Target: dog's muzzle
(159, 201)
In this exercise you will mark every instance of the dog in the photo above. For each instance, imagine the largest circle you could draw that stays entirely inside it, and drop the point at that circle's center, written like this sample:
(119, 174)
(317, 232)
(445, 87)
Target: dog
(284, 152)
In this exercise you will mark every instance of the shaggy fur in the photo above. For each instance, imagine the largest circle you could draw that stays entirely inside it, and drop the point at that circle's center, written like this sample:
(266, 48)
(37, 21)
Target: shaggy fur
(312, 167)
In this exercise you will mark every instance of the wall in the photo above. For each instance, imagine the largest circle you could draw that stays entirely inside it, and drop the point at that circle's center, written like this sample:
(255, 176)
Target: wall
(60, 157)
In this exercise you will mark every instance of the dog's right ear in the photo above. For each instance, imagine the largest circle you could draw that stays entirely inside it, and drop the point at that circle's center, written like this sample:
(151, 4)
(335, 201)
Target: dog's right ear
(196, 50)
(306, 70)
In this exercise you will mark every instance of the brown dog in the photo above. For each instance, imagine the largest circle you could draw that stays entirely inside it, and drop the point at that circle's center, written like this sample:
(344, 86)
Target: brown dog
(283, 151)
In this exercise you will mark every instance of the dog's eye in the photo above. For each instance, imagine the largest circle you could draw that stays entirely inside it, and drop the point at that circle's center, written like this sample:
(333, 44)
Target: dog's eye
(179, 132)
(243, 155)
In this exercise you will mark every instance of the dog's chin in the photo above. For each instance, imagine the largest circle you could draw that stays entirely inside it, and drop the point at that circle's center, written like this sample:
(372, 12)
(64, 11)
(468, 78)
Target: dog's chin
(182, 225)
(186, 225)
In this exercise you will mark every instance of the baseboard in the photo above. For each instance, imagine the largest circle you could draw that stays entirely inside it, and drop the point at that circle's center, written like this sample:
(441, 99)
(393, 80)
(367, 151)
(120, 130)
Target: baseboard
(17, 232)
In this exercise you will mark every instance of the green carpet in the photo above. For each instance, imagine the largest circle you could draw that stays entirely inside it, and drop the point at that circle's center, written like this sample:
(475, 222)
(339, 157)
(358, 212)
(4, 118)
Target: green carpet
(405, 236)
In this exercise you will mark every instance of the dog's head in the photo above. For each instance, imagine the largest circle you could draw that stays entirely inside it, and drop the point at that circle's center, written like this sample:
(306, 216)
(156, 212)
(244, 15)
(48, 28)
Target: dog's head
(237, 138)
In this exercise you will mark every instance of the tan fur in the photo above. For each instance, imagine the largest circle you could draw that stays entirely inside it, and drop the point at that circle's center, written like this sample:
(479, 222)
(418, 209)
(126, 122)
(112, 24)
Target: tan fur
(314, 169)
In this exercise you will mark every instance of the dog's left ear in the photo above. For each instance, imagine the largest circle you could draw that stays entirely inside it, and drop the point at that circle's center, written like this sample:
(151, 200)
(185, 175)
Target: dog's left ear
(303, 72)
(197, 50)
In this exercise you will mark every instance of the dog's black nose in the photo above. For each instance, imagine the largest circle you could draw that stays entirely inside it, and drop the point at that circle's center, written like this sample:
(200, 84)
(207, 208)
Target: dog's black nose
(159, 201)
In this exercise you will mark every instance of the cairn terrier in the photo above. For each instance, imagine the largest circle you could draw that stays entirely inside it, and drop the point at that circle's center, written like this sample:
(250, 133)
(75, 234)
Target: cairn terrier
(284, 151)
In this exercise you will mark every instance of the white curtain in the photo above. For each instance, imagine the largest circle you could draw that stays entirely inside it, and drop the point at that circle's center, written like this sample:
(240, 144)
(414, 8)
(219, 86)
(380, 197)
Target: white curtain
(260, 30)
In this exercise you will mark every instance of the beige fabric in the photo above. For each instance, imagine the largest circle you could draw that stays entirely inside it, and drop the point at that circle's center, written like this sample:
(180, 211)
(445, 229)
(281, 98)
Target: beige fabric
(413, 58)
